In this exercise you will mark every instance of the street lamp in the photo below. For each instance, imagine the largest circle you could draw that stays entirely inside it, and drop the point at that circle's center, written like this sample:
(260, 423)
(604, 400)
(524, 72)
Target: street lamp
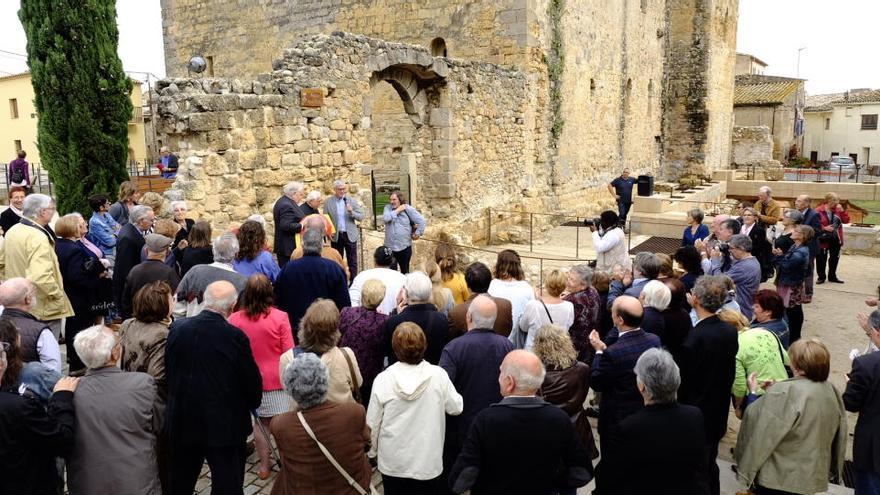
(799, 61)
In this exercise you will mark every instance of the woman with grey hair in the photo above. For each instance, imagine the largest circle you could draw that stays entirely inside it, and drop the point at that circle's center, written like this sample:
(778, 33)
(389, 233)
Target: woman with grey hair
(655, 299)
(178, 215)
(579, 291)
(313, 203)
(340, 427)
(695, 231)
(790, 219)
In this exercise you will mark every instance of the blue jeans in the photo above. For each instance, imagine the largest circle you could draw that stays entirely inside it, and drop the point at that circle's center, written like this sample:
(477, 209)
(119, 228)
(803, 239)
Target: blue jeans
(867, 482)
(622, 210)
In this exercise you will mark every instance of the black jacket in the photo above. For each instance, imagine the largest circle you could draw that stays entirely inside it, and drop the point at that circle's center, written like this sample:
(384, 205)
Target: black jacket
(213, 382)
(128, 254)
(80, 281)
(146, 272)
(31, 437)
(667, 443)
(287, 216)
(708, 365)
(501, 434)
(7, 219)
(862, 395)
(193, 256)
(432, 322)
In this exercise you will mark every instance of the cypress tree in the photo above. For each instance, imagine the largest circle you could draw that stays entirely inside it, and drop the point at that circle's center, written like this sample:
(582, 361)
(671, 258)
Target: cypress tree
(81, 95)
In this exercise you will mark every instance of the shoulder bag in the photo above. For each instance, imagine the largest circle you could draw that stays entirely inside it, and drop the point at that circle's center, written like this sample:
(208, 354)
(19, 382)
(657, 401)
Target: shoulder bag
(547, 311)
(351, 481)
(355, 390)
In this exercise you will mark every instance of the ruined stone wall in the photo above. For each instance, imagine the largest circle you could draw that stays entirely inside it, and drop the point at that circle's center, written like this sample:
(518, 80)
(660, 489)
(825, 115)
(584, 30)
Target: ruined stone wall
(752, 145)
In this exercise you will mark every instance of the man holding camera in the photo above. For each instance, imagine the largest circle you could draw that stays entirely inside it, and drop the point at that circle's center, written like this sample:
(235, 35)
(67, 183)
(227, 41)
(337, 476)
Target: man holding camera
(609, 241)
(744, 270)
(721, 234)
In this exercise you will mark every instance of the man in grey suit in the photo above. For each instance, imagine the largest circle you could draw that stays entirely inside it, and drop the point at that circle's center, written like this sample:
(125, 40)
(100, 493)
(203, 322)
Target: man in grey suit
(344, 211)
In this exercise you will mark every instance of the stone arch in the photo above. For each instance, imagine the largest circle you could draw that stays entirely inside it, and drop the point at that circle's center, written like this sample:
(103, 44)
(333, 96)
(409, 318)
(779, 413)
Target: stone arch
(438, 47)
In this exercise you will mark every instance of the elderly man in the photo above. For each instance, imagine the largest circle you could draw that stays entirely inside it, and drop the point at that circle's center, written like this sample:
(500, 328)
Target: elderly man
(769, 211)
(721, 235)
(803, 204)
(416, 308)
(345, 211)
(129, 244)
(168, 163)
(393, 280)
(309, 278)
(18, 296)
(862, 395)
(153, 269)
(117, 422)
(478, 277)
(312, 203)
(708, 365)
(287, 215)
(744, 270)
(665, 439)
(320, 222)
(492, 459)
(611, 373)
(213, 384)
(29, 252)
(472, 362)
(191, 290)
(646, 267)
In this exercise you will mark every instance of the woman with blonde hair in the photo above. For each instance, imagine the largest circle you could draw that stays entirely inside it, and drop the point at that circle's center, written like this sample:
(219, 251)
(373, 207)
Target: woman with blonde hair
(453, 278)
(156, 202)
(547, 309)
(441, 296)
(361, 328)
(127, 198)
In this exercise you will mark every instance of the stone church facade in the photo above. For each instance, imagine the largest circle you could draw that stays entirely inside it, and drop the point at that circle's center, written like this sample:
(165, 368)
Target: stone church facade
(532, 104)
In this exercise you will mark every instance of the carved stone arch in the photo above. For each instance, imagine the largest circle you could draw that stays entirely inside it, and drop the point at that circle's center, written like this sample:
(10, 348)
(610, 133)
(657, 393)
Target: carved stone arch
(410, 82)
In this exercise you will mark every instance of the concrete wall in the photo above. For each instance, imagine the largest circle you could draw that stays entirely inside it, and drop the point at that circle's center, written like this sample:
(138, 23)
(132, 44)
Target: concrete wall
(845, 135)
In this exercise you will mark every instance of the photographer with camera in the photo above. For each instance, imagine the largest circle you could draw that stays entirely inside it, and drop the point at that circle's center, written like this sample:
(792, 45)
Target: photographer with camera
(720, 237)
(744, 270)
(609, 241)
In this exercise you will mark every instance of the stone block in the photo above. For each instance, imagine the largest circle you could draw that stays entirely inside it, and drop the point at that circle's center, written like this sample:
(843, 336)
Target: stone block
(441, 117)
(203, 122)
(446, 190)
(249, 101)
(215, 165)
(338, 124)
(442, 147)
(349, 157)
(302, 145)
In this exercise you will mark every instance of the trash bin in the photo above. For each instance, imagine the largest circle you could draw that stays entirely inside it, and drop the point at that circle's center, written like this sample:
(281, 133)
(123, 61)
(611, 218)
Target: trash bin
(645, 184)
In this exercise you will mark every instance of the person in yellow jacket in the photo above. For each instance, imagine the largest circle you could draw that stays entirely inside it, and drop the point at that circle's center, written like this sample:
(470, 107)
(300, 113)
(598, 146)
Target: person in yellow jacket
(29, 252)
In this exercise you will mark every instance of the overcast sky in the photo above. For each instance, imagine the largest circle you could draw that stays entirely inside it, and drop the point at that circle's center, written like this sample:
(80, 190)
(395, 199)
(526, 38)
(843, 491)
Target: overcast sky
(838, 36)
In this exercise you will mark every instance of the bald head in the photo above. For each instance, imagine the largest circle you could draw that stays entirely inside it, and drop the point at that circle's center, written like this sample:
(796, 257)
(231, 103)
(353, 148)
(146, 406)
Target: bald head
(717, 221)
(220, 297)
(522, 373)
(481, 313)
(626, 312)
(314, 222)
(18, 293)
(802, 202)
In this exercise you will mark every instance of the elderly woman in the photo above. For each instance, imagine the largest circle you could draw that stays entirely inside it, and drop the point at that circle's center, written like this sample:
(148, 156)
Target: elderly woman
(268, 330)
(403, 224)
(676, 321)
(12, 215)
(252, 258)
(178, 215)
(312, 203)
(143, 337)
(567, 380)
(832, 216)
(509, 283)
(655, 298)
(549, 308)
(319, 335)
(126, 199)
(794, 437)
(790, 219)
(695, 229)
(769, 311)
(82, 273)
(198, 247)
(339, 426)
(587, 306)
(407, 416)
(453, 278)
(117, 422)
(760, 246)
(32, 435)
(794, 268)
(602, 283)
(361, 329)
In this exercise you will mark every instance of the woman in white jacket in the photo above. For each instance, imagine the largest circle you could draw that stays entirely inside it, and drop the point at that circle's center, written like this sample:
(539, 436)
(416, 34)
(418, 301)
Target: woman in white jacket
(609, 242)
(407, 416)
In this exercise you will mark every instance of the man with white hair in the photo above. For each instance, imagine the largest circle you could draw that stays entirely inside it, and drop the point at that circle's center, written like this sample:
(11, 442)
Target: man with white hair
(312, 203)
(345, 211)
(117, 421)
(287, 215)
(129, 244)
(18, 296)
(311, 277)
(191, 290)
(29, 252)
(769, 211)
(213, 384)
(414, 306)
(492, 459)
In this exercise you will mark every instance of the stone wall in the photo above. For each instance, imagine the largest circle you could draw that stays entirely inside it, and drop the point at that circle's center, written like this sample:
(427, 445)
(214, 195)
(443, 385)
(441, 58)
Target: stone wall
(752, 145)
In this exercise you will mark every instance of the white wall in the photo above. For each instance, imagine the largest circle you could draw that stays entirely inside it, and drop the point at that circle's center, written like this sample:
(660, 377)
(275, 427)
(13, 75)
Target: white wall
(845, 135)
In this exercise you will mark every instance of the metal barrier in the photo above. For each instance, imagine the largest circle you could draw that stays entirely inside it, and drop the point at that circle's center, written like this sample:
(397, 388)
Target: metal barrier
(800, 174)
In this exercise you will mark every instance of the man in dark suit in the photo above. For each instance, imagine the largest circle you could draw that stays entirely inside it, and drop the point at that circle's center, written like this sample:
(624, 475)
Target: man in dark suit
(478, 277)
(287, 215)
(152, 269)
(708, 364)
(862, 395)
(308, 278)
(213, 384)
(129, 243)
(492, 459)
(665, 439)
(803, 203)
(612, 374)
(417, 289)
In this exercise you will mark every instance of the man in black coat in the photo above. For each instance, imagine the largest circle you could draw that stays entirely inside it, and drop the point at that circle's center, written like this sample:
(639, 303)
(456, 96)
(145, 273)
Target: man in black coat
(522, 444)
(417, 289)
(708, 364)
(862, 395)
(213, 384)
(287, 215)
(129, 243)
(152, 269)
(803, 203)
(665, 439)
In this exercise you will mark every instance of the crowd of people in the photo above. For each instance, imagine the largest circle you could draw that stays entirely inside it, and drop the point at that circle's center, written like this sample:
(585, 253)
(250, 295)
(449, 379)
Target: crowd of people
(182, 345)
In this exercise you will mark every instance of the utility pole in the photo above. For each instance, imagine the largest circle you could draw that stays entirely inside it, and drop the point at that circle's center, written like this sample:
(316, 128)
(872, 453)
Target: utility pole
(799, 61)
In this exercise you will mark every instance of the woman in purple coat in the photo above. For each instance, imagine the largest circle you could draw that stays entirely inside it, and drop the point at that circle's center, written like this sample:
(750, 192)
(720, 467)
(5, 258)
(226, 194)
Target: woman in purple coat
(361, 330)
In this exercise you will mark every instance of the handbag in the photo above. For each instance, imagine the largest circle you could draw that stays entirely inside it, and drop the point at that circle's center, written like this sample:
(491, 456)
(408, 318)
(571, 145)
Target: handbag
(351, 481)
(355, 390)
(782, 356)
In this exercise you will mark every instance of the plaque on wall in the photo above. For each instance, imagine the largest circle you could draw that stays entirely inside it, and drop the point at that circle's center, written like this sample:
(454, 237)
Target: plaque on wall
(312, 97)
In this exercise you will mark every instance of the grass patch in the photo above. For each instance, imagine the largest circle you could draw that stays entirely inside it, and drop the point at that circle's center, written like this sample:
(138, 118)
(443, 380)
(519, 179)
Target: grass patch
(873, 208)
(382, 199)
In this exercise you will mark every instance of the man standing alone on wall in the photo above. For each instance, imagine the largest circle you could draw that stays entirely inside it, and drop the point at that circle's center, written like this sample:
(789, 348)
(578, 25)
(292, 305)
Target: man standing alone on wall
(622, 190)
(344, 211)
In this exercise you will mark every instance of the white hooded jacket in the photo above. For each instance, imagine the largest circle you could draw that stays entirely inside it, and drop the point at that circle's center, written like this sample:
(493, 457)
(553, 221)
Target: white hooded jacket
(407, 416)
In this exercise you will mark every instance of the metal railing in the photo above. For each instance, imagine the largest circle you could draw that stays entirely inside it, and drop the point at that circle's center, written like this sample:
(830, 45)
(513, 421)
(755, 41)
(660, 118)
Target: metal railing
(861, 174)
(39, 178)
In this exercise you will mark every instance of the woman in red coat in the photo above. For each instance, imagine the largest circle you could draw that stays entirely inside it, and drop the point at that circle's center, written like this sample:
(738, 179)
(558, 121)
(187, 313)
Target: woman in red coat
(832, 217)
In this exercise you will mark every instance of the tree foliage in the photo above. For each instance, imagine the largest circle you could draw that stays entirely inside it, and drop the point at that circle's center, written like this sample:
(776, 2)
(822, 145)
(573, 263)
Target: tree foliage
(82, 96)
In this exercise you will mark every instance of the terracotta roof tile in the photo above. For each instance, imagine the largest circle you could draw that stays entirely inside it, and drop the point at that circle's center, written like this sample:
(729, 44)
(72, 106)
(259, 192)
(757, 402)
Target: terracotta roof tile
(764, 93)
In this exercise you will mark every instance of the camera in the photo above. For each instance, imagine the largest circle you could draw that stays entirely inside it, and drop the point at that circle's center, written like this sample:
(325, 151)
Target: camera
(723, 248)
(593, 222)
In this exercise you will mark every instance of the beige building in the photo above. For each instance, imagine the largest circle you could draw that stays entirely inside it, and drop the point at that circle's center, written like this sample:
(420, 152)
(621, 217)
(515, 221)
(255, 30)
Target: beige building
(18, 122)
(843, 124)
(774, 102)
(749, 65)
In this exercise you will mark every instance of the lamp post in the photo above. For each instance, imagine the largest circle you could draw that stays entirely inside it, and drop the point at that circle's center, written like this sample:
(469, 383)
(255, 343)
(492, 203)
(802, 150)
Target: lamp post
(799, 61)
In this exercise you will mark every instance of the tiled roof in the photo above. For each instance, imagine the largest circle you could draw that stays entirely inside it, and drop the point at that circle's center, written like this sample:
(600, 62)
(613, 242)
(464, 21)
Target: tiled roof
(821, 103)
(764, 93)
(861, 97)
(13, 76)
